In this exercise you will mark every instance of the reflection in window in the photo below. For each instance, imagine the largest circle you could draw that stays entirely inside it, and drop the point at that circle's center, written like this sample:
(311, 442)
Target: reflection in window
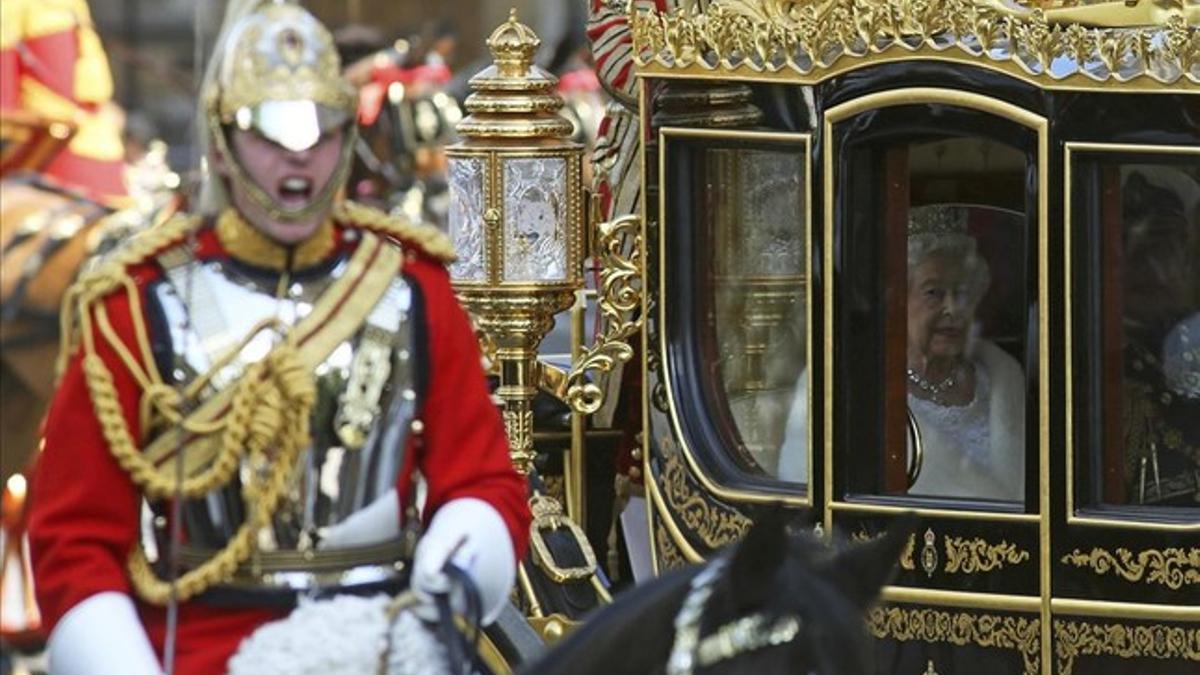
(759, 275)
(1149, 334)
(965, 393)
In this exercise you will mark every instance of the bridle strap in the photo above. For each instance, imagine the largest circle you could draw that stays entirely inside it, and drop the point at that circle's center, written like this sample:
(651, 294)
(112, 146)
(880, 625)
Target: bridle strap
(737, 637)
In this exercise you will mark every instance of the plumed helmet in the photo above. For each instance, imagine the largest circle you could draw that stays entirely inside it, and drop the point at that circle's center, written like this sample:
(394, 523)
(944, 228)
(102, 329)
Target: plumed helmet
(276, 72)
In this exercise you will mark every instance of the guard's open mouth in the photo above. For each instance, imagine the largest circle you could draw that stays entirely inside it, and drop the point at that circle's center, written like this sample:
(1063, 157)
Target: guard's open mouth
(295, 190)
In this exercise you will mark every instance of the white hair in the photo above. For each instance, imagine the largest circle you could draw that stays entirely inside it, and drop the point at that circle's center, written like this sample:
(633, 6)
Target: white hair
(953, 245)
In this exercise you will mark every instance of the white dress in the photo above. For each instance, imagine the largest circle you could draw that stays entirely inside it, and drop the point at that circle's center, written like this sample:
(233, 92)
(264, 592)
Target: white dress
(974, 451)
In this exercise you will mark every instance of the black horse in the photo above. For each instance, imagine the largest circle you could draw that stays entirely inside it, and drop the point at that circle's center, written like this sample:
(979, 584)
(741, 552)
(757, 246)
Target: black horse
(775, 603)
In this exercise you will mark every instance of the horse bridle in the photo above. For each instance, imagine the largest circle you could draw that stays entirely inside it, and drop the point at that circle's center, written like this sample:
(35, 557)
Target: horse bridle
(740, 636)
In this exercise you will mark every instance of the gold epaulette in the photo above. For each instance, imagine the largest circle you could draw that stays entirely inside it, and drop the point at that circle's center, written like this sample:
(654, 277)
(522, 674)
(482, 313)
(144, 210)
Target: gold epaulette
(432, 241)
(96, 283)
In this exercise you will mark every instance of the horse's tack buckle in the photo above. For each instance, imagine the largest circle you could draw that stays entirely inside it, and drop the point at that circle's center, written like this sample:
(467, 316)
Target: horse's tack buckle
(548, 515)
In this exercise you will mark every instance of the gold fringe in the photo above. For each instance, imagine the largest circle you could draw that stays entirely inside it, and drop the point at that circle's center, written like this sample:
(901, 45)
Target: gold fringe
(428, 238)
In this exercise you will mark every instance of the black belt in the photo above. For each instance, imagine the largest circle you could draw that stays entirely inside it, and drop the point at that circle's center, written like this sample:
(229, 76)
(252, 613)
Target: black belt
(246, 597)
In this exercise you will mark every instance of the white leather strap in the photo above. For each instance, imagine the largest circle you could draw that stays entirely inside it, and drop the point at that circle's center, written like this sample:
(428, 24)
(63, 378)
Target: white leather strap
(377, 522)
(101, 635)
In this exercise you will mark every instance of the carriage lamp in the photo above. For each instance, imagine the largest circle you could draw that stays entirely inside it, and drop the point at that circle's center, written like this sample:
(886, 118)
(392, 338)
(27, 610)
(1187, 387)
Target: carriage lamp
(516, 218)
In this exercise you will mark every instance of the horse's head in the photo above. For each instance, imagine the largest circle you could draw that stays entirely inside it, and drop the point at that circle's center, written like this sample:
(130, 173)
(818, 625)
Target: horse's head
(782, 602)
(779, 602)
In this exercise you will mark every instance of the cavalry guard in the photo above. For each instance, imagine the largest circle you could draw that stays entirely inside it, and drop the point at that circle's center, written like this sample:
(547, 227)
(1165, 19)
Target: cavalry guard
(262, 402)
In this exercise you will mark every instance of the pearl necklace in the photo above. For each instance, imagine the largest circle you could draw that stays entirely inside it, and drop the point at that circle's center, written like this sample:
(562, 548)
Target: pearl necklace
(934, 389)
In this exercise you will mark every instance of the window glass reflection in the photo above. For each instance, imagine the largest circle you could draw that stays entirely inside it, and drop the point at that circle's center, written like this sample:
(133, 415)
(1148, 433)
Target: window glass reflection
(1149, 333)
(759, 275)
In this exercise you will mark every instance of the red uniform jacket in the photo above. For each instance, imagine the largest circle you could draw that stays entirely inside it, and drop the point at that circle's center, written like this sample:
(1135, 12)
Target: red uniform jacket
(85, 518)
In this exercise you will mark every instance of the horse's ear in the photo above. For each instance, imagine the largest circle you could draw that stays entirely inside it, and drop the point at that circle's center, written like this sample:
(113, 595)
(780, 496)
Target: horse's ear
(861, 570)
(759, 553)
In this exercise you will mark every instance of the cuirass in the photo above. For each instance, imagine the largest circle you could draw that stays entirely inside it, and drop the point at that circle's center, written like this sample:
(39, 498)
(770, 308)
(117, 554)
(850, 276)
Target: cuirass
(365, 407)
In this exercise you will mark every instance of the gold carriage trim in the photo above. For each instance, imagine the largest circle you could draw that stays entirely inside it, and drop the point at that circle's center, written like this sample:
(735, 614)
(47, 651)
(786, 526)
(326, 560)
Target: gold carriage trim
(1016, 633)
(1145, 44)
(1073, 639)
(1171, 567)
(971, 556)
(714, 523)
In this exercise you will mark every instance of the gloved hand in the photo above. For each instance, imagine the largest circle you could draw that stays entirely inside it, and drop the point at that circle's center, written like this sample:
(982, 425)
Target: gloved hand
(471, 534)
(102, 634)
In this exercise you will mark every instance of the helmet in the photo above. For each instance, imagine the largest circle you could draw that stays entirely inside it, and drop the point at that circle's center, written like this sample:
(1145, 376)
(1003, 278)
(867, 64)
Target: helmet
(276, 72)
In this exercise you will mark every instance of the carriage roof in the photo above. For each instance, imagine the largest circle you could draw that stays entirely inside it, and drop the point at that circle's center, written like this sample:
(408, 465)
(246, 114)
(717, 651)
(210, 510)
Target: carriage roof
(1143, 45)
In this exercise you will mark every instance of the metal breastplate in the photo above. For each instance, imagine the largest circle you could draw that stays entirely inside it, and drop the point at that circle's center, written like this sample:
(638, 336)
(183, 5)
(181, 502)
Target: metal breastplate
(359, 427)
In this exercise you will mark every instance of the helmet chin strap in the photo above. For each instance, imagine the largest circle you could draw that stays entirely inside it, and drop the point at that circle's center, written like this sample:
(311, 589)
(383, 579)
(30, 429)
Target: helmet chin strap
(319, 204)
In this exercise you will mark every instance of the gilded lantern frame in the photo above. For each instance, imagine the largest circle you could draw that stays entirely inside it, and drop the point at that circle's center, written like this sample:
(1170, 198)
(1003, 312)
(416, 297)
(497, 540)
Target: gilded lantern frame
(494, 159)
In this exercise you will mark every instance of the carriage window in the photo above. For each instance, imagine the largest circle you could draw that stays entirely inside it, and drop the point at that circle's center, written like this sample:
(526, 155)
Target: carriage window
(1139, 221)
(935, 311)
(747, 267)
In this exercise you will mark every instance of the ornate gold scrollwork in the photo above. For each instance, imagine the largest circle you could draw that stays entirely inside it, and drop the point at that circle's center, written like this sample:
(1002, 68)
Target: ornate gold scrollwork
(620, 306)
(960, 628)
(970, 556)
(1073, 639)
(714, 523)
(670, 557)
(1171, 567)
(1111, 42)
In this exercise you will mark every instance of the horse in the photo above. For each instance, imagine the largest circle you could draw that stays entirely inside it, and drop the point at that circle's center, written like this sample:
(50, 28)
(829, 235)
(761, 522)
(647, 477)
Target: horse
(778, 602)
(44, 238)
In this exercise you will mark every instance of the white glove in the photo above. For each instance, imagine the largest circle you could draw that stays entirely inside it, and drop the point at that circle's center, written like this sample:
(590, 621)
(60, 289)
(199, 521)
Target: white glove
(379, 521)
(484, 551)
(101, 635)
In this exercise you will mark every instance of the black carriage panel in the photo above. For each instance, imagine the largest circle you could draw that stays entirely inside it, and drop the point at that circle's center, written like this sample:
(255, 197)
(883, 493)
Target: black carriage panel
(956, 554)
(942, 640)
(932, 74)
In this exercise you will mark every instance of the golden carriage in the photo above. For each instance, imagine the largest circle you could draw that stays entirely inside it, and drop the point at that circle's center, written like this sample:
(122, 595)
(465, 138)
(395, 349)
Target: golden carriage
(794, 157)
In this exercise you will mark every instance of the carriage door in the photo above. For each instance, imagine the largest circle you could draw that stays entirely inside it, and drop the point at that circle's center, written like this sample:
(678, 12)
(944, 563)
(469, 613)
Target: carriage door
(935, 228)
(1126, 566)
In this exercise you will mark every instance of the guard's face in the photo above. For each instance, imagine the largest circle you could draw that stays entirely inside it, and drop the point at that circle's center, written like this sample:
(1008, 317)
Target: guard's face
(940, 309)
(292, 178)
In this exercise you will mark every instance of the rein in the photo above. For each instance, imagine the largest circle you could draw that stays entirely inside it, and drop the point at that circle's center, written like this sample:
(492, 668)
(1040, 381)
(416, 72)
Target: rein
(740, 636)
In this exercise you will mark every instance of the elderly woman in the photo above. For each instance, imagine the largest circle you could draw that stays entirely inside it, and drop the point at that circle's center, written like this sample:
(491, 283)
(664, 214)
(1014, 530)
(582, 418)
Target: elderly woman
(966, 394)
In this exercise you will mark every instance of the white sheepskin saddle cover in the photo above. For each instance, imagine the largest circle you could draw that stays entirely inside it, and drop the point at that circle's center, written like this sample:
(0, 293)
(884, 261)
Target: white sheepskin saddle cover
(345, 634)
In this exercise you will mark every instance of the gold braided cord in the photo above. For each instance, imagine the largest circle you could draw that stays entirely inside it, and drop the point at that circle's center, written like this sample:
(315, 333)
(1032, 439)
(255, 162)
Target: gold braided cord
(98, 283)
(266, 426)
(270, 420)
(426, 237)
(264, 400)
